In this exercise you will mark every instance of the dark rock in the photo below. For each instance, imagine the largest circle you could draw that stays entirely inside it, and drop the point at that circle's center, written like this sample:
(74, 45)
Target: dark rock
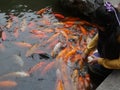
(81, 8)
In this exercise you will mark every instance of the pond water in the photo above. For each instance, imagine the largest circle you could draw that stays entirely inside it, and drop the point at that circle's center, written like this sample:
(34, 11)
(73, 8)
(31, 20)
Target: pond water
(22, 10)
(22, 28)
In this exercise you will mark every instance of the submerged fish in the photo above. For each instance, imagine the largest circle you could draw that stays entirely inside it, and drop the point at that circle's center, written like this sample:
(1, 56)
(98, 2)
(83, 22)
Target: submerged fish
(32, 50)
(9, 23)
(4, 36)
(15, 74)
(56, 49)
(23, 25)
(23, 44)
(59, 83)
(18, 60)
(8, 83)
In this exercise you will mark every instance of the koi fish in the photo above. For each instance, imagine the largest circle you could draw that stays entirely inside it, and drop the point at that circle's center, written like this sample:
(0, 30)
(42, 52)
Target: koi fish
(52, 37)
(59, 16)
(87, 82)
(81, 83)
(35, 67)
(41, 11)
(62, 53)
(58, 74)
(66, 77)
(71, 19)
(23, 44)
(69, 23)
(2, 47)
(32, 50)
(23, 25)
(65, 35)
(49, 66)
(83, 30)
(74, 77)
(37, 32)
(18, 60)
(8, 83)
(60, 85)
(56, 49)
(16, 74)
(31, 24)
(9, 23)
(47, 30)
(16, 33)
(69, 54)
(4, 36)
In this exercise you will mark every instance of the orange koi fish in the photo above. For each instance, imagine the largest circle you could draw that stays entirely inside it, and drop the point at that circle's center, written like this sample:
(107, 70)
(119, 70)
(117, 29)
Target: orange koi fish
(23, 44)
(60, 85)
(69, 54)
(87, 76)
(83, 30)
(49, 66)
(39, 51)
(32, 50)
(71, 19)
(52, 44)
(8, 83)
(4, 36)
(47, 30)
(46, 22)
(31, 24)
(65, 35)
(59, 16)
(67, 31)
(37, 32)
(9, 23)
(41, 11)
(76, 57)
(62, 53)
(35, 67)
(69, 23)
(65, 75)
(81, 83)
(52, 37)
